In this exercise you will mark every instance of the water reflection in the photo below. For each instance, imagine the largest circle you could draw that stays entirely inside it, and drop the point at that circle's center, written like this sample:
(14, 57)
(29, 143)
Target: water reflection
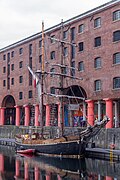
(18, 167)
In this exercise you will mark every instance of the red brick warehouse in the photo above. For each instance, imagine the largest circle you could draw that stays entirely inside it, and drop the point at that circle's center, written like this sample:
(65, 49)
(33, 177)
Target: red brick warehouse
(96, 59)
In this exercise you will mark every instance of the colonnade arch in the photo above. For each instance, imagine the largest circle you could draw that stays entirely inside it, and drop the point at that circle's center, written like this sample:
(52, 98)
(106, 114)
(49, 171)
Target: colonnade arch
(8, 107)
(11, 113)
(75, 108)
(87, 110)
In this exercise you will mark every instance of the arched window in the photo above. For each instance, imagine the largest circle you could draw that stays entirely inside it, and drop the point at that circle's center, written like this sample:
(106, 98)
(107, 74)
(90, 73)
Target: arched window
(97, 22)
(116, 83)
(116, 58)
(65, 51)
(81, 28)
(97, 62)
(116, 36)
(81, 46)
(97, 41)
(52, 90)
(116, 15)
(52, 55)
(97, 85)
(81, 66)
(52, 70)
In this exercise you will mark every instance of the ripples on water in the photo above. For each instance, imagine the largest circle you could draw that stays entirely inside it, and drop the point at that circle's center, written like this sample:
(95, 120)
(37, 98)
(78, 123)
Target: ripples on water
(14, 166)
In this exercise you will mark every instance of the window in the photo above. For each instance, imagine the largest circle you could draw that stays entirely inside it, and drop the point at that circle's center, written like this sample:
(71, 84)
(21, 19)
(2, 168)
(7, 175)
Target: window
(4, 69)
(97, 85)
(30, 62)
(52, 90)
(21, 51)
(65, 35)
(30, 79)
(52, 39)
(52, 55)
(4, 83)
(80, 66)
(97, 41)
(20, 64)
(97, 22)
(12, 67)
(8, 83)
(40, 59)
(116, 58)
(20, 95)
(65, 51)
(73, 68)
(30, 49)
(81, 46)
(116, 83)
(8, 57)
(8, 69)
(12, 81)
(52, 70)
(97, 62)
(40, 43)
(116, 36)
(12, 54)
(81, 28)
(73, 34)
(116, 15)
(4, 57)
(72, 52)
(20, 79)
(65, 70)
(30, 94)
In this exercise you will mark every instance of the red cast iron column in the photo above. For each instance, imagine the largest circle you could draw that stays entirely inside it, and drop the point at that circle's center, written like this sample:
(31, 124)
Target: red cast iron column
(17, 121)
(37, 174)
(26, 174)
(90, 110)
(109, 112)
(27, 115)
(2, 116)
(47, 115)
(36, 114)
(1, 163)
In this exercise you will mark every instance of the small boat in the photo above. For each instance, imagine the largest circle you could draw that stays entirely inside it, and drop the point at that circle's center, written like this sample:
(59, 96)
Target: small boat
(26, 151)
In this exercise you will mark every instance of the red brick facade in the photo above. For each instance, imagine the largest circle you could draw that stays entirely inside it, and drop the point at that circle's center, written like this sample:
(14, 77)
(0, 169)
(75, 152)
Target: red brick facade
(31, 50)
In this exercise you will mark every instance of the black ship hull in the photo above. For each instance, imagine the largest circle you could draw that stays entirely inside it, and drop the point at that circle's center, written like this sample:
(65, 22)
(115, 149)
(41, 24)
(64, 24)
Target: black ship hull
(69, 148)
(64, 146)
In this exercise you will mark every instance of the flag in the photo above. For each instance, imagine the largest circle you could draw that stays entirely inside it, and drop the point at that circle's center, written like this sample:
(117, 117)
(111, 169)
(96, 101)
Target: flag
(35, 78)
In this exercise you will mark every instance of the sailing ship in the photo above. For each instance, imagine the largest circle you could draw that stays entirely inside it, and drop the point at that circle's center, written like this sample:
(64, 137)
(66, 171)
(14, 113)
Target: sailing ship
(67, 146)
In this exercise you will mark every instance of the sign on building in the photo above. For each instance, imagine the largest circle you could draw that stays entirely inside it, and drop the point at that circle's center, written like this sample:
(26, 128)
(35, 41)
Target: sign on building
(73, 107)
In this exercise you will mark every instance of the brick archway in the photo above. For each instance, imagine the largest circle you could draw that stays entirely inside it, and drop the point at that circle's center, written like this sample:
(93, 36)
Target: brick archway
(74, 108)
(76, 90)
(8, 103)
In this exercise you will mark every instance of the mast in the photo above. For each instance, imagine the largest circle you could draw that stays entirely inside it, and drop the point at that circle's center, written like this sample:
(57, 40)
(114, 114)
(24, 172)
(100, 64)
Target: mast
(61, 81)
(42, 77)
